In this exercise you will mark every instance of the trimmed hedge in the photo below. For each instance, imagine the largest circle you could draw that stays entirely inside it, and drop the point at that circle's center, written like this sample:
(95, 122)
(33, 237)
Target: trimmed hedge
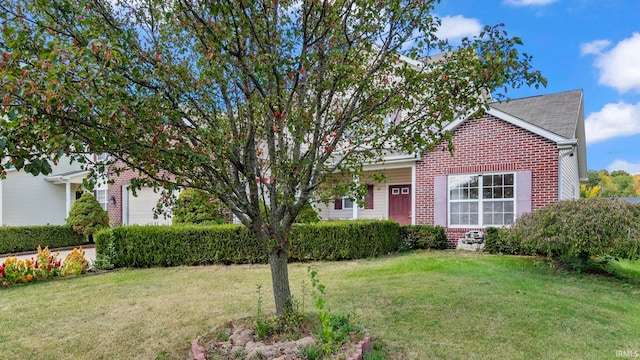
(15, 239)
(343, 240)
(149, 246)
(423, 237)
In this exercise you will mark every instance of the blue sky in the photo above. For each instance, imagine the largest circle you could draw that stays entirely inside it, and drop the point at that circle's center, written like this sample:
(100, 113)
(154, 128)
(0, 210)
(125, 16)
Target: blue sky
(592, 45)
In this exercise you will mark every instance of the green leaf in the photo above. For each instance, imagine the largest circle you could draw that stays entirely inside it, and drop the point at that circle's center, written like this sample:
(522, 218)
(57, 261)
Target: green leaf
(18, 163)
(13, 115)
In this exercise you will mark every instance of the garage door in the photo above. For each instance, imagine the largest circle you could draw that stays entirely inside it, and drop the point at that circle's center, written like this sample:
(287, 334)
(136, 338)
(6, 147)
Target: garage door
(140, 208)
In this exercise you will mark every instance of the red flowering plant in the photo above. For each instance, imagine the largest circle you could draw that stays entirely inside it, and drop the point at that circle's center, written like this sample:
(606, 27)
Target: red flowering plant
(15, 271)
(44, 266)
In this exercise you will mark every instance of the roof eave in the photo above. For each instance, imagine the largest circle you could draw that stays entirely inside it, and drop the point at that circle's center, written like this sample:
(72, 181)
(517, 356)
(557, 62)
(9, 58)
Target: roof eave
(75, 178)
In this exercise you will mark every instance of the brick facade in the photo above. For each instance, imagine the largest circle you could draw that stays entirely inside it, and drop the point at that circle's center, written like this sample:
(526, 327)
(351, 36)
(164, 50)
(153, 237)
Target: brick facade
(488, 144)
(115, 190)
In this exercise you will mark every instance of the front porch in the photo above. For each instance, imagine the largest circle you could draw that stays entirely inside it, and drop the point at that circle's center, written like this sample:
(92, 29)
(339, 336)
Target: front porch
(72, 182)
(392, 199)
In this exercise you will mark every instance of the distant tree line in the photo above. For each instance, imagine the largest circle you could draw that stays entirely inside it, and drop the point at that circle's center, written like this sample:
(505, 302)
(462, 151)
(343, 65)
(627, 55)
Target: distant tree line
(618, 183)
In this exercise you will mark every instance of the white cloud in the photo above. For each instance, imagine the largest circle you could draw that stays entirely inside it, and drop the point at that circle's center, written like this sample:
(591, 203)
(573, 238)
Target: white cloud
(457, 27)
(614, 120)
(620, 67)
(595, 47)
(528, 2)
(618, 164)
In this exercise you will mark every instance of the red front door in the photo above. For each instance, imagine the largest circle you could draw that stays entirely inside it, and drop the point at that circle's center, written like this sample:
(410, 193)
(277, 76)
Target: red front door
(400, 203)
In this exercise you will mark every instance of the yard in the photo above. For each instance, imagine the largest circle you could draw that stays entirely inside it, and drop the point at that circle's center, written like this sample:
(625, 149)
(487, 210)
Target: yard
(438, 305)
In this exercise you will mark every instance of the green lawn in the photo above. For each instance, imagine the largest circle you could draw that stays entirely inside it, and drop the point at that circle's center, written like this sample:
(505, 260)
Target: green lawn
(424, 305)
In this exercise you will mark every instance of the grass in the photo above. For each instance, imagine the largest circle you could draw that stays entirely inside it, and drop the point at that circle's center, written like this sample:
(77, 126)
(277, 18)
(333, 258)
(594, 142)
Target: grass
(437, 305)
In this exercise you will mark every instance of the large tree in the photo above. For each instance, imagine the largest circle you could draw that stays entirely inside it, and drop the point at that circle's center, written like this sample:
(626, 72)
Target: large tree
(255, 102)
(618, 183)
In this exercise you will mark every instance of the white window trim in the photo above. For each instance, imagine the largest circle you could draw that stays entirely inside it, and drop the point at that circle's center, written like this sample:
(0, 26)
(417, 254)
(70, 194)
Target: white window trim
(344, 203)
(480, 200)
(104, 204)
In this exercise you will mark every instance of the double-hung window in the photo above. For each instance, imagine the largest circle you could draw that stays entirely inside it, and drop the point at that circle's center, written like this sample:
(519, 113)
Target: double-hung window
(101, 196)
(481, 200)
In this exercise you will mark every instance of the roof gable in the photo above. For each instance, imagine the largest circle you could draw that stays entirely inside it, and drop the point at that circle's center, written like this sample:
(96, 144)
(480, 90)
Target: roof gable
(558, 113)
(558, 117)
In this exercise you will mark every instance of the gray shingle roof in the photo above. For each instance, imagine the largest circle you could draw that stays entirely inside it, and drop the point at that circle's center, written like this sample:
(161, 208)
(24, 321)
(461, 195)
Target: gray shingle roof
(558, 112)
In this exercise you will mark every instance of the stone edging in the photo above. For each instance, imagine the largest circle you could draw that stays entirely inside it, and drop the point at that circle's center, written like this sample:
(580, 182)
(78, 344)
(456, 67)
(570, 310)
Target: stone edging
(197, 351)
(361, 348)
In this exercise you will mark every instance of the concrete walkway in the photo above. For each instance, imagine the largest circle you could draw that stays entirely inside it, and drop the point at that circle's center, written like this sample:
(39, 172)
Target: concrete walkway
(89, 254)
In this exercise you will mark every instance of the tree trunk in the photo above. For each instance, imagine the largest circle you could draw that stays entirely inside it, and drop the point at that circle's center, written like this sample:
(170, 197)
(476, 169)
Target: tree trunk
(280, 279)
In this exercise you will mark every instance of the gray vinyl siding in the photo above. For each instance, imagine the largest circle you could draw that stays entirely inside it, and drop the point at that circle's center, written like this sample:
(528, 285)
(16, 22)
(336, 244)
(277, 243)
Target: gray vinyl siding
(570, 176)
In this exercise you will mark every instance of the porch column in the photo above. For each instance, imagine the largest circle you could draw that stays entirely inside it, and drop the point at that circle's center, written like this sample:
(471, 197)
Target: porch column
(67, 187)
(355, 205)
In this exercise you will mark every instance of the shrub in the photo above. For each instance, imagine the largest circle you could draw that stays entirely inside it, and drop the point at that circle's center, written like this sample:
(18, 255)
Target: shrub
(307, 215)
(87, 216)
(106, 255)
(105, 258)
(576, 229)
(423, 237)
(147, 246)
(197, 207)
(504, 241)
(344, 240)
(15, 239)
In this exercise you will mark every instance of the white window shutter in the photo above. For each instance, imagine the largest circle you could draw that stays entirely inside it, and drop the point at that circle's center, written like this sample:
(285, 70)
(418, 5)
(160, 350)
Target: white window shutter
(523, 192)
(440, 200)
